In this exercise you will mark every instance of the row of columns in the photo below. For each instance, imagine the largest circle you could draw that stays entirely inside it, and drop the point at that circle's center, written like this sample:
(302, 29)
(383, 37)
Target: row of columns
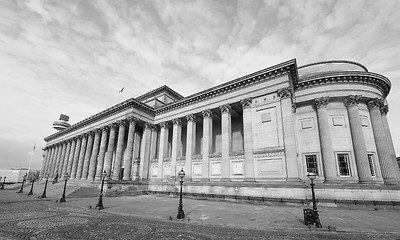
(384, 146)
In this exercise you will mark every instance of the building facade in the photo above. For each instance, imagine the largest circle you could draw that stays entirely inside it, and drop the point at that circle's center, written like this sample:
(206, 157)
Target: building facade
(268, 128)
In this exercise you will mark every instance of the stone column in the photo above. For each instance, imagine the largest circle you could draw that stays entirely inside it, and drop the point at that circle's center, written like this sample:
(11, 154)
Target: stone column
(66, 157)
(63, 159)
(71, 155)
(45, 160)
(384, 110)
(54, 161)
(93, 158)
(176, 138)
(110, 149)
(162, 152)
(226, 130)
(129, 149)
(249, 174)
(88, 152)
(190, 144)
(102, 153)
(153, 146)
(207, 144)
(76, 156)
(357, 135)
(136, 155)
(120, 148)
(48, 161)
(145, 153)
(81, 156)
(292, 164)
(328, 156)
(60, 159)
(387, 168)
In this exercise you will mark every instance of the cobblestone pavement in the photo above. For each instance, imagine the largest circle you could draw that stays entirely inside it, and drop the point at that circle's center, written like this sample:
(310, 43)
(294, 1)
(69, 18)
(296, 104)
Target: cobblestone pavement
(27, 217)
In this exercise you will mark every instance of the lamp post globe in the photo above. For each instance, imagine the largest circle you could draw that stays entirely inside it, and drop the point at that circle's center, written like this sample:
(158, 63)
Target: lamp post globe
(45, 187)
(66, 177)
(100, 205)
(181, 213)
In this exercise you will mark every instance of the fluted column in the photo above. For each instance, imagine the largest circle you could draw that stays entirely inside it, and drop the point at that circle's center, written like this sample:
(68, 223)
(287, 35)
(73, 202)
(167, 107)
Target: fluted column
(120, 147)
(76, 157)
(357, 135)
(387, 168)
(66, 157)
(81, 156)
(162, 152)
(190, 144)
(129, 149)
(145, 152)
(292, 165)
(176, 138)
(384, 110)
(94, 156)
(71, 155)
(249, 174)
(110, 149)
(60, 159)
(207, 144)
(88, 153)
(102, 153)
(54, 160)
(226, 130)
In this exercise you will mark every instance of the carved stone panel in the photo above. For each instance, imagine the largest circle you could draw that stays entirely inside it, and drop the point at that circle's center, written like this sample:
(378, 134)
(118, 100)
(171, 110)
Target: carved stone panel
(197, 169)
(215, 168)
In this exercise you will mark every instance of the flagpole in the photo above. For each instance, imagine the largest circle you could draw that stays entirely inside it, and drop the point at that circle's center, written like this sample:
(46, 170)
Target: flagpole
(30, 160)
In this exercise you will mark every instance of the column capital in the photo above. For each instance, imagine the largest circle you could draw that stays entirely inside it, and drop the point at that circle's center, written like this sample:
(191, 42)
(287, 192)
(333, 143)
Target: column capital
(207, 113)
(148, 125)
(375, 103)
(69, 140)
(226, 108)
(352, 100)
(132, 119)
(191, 118)
(79, 137)
(321, 102)
(98, 130)
(154, 128)
(176, 121)
(112, 126)
(121, 122)
(90, 133)
(105, 128)
(73, 138)
(285, 93)
(246, 103)
(85, 134)
(384, 109)
(163, 124)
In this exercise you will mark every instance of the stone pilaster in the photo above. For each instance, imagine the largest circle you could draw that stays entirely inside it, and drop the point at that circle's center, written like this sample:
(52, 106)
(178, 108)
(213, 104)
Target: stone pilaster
(328, 156)
(190, 144)
(162, 152)
(120, 146)
(129, 149)
(71, 155)
(103, 149)
(387, 168)
(226, 130)
(88, 153)
(249, 172)
(154, 142)
(357, 135)
(76, 157)
(136, 155)
(145, 152)
(176, 138)
(66, 157)
(289, 137)
(384, 110)
(81, 156)
(110, 149)
(94, 156)
(207, 143)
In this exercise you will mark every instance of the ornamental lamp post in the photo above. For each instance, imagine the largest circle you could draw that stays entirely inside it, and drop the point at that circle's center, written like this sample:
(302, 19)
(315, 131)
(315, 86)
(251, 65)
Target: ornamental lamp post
(4, 181)
(66, 177)
(315, 215)
(23, 181)
(181, 213)
(31, 191)
(45, 187)
(100, 203)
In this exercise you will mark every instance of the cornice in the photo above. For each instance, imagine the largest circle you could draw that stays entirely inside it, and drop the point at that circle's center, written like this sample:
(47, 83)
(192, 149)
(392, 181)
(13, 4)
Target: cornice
(374, 79)
(288, 67)
(130, 103)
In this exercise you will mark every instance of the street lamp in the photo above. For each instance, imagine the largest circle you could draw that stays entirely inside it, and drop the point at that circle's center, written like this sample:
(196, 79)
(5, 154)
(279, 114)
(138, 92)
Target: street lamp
(45, 187)
(22, 186)
(31, 191)
(181, 213)
(66, 177)
(100, 203)
(315, 217)
(4, 181)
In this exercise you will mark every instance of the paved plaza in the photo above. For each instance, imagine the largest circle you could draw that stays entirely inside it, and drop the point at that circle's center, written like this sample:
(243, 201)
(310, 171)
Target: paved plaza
(153, 217)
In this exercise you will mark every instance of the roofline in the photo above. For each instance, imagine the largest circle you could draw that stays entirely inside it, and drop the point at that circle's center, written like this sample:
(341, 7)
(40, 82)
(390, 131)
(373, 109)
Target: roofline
(334, 61)
(164, 87)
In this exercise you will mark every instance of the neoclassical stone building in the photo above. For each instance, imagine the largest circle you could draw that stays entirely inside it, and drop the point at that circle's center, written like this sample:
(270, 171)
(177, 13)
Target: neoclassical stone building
(257, 135)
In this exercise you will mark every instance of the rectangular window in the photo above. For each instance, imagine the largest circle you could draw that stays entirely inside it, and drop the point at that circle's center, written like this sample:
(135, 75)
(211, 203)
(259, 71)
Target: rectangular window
(371, 164)
(344, 164)
(311, 163)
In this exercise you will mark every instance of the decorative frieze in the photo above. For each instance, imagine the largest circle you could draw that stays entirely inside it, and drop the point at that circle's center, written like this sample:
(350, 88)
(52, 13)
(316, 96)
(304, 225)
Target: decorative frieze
(207, 113)
(352, 100)
(246, 103)
(226, 108)
(321, 102)
(269, 154)
(285, 93)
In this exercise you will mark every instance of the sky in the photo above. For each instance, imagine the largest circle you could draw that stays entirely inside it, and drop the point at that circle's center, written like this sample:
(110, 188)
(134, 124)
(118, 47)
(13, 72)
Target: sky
(74, 56)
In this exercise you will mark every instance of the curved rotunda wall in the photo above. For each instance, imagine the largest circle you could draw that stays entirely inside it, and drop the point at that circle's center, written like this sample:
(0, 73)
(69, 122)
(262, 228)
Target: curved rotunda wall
(329, 66)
